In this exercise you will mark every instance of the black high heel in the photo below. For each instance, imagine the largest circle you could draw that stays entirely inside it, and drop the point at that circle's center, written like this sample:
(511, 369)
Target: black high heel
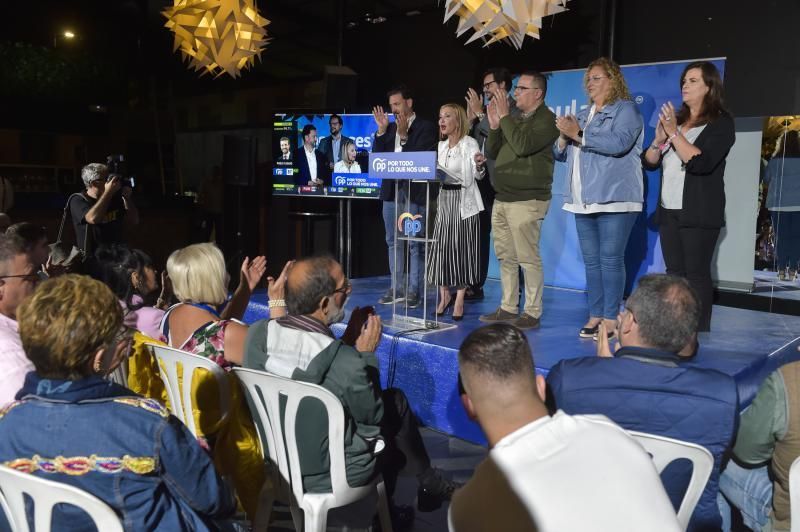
(458, 318)
(444, 311)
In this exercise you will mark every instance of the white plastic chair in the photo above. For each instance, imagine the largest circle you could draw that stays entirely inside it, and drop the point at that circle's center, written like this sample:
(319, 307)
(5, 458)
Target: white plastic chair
(265, 391)
(181, 400)
(665, 451)
(794, 494)
(45, 495)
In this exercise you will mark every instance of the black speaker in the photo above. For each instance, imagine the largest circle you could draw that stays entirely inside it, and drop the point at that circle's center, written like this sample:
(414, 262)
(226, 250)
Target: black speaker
(239, 160)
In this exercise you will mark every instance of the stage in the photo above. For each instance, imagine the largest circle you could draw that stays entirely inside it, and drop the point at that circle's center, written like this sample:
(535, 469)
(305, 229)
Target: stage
(745, 344)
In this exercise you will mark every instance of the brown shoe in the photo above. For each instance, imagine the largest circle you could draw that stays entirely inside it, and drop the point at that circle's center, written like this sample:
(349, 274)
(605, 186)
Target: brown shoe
(525, 322)
(498, 316)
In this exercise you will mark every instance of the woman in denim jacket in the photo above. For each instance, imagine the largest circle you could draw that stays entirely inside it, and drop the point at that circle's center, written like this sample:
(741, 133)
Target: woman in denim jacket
(602, 147)
(70, 425)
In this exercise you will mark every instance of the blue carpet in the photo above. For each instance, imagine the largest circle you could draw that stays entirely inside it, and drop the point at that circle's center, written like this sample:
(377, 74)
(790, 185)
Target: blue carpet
(745, 344)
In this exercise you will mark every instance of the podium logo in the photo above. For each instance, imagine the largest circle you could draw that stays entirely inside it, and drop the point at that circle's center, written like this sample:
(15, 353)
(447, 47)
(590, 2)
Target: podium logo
(409, 224)
(340, 180)
(378, 164)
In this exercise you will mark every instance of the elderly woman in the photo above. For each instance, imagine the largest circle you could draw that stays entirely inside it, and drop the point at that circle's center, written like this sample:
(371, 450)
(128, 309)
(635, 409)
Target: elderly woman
(125, 450)
(348, 164)
(455, 253)
(691, 146)
(602, 146)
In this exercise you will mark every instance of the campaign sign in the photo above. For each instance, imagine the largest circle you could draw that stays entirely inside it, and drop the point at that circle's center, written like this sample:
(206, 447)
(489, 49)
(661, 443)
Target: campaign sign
(403, 165)
(355, 180)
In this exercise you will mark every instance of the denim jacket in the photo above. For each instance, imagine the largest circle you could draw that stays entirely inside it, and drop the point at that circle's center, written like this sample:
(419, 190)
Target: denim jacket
(124, 449)
(611, 168)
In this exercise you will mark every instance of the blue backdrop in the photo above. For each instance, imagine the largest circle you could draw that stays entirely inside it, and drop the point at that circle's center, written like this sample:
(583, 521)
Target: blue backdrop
(651, 85)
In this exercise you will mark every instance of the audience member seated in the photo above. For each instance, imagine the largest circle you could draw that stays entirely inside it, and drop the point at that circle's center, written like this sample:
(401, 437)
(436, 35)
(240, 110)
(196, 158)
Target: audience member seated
(767, 443)
(33, 239)
(18, 278)
(302, 347)
(126, 450)
(647, 386)
(199, 281)
(565, 473)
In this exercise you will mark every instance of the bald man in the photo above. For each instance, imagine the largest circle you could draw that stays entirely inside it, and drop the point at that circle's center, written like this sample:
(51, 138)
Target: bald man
(381, 432)
(547, 473)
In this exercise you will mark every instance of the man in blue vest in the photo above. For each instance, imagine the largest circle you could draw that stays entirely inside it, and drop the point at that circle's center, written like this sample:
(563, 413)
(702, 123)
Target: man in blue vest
(647, 386)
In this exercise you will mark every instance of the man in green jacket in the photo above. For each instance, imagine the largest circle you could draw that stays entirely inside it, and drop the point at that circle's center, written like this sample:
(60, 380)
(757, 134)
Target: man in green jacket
(381, 434)
(521, 147)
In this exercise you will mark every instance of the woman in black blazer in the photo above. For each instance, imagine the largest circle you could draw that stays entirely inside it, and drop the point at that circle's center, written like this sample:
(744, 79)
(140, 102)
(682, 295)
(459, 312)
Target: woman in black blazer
(691, 146)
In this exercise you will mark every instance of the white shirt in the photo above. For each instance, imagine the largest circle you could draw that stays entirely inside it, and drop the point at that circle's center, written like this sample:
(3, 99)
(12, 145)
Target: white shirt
(15, 365)
(674, 173)
(584, 473)
(342, 168)
(311, 157)
(397, 145)
(577, 206)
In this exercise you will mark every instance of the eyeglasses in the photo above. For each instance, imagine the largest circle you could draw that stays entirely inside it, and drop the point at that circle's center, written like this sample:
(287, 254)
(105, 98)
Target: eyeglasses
(30, 277)
(487, 85)
(521, 88)
(596, 78)
(345, 289)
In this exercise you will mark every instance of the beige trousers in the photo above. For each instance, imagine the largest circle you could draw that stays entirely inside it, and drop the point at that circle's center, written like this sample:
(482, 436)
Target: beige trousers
(516, 226)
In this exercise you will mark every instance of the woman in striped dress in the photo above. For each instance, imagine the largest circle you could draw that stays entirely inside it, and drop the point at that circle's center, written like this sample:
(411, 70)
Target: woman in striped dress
(455, 250)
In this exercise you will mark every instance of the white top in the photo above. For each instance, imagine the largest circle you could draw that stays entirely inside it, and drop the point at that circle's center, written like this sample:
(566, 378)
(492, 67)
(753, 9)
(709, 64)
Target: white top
(311, 157)
(458, 164)
(674, 173)
(342, 168)
(397, 145)
(13, 360)
(577, 206)
(584, 473)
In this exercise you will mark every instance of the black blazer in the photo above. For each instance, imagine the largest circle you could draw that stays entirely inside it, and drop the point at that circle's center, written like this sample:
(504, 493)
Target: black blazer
(422, 136)
(325, 147)
(704, 187)
(304, 175)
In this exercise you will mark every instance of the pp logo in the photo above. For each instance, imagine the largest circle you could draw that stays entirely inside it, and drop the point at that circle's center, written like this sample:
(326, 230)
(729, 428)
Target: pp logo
(639, 99)
(379, 164)
(340, 181)
(409, 224)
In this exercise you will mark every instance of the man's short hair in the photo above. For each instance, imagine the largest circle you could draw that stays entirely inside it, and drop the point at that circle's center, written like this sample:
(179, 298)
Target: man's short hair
(666, 309)
(538, 78)
(284, 138)
(499, 75)
(303, 297)
(93, 172)
(402, 90)
(10, 248)
(65, 322)
(499, 350)
(26, 235)
(198, 274)
(308, 128)
(337, 117)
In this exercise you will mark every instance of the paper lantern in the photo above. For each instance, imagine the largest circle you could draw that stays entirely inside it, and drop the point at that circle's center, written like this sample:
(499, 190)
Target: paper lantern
(217, 36)
(498, 20)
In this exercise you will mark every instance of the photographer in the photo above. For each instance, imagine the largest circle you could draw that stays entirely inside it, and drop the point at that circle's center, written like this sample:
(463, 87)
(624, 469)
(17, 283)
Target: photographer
(102, 208)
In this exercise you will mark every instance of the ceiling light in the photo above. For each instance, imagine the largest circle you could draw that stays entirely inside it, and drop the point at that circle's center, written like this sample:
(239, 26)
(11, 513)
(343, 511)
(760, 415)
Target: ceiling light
(69, 35)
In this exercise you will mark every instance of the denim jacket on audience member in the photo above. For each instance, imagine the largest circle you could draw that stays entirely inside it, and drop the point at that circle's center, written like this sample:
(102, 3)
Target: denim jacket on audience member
(611, 166)
(126, 450)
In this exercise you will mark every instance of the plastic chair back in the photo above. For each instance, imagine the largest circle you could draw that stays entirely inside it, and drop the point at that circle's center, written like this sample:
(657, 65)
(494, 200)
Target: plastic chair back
(45, 495)
(176, 369)
(265, 391)
(665, 451)
(794, 494)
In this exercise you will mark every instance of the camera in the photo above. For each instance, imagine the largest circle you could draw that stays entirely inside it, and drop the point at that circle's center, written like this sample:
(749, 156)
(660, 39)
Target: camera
(116, 168)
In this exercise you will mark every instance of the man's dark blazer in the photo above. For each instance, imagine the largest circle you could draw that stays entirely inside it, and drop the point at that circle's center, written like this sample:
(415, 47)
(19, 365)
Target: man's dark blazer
(304, 175)
(422, 136)
(326, 148)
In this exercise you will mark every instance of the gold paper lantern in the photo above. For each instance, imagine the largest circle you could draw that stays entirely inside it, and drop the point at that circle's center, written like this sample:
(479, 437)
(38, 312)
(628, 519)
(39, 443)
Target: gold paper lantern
(498, 20)
(217, 36)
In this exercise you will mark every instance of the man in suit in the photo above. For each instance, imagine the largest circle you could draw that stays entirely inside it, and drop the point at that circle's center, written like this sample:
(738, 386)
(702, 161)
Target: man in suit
(406, 133)
(286, 151)
(313, 168)
(331, 146)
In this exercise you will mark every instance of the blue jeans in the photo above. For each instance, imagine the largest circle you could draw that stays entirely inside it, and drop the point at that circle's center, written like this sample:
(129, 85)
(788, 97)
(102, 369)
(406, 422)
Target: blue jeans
(415, 257)
(749, 490)
(603, 238)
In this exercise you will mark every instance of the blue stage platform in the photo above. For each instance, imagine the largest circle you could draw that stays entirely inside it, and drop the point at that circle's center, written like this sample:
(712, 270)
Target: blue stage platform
(745, 344)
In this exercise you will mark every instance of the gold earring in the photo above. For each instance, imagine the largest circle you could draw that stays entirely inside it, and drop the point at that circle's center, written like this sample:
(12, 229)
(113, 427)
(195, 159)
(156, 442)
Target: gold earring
(97, 366)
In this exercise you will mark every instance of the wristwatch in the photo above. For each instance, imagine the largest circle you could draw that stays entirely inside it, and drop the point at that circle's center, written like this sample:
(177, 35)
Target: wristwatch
(480, 116)
(580, 133)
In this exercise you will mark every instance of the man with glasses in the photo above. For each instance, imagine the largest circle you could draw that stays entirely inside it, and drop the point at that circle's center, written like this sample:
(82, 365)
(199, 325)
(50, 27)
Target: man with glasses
(646, 385)
(18, 278)
(523, 177)
(381, 432)
(100, 213)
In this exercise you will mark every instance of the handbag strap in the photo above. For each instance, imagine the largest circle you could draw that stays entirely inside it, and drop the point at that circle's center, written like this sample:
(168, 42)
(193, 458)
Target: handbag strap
(64, 220)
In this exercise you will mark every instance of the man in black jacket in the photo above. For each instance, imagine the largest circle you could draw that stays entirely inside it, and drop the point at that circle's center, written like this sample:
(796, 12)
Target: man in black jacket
(406, 133)
(312, 164)
(331, 146)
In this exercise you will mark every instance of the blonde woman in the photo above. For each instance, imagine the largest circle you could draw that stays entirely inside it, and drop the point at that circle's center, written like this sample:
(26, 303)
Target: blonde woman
(455, 252)
(602, 146)
(348, 164)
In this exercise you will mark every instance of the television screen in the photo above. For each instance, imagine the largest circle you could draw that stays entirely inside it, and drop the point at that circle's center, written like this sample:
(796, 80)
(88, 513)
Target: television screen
(347, 178)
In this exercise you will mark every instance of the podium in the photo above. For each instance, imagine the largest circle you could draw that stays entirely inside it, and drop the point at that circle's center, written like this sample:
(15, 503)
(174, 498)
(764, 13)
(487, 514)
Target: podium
(411, 229)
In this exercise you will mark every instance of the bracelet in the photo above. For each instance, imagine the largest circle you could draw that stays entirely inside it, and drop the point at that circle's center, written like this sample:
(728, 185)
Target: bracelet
(480, 116)
(273, 303)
